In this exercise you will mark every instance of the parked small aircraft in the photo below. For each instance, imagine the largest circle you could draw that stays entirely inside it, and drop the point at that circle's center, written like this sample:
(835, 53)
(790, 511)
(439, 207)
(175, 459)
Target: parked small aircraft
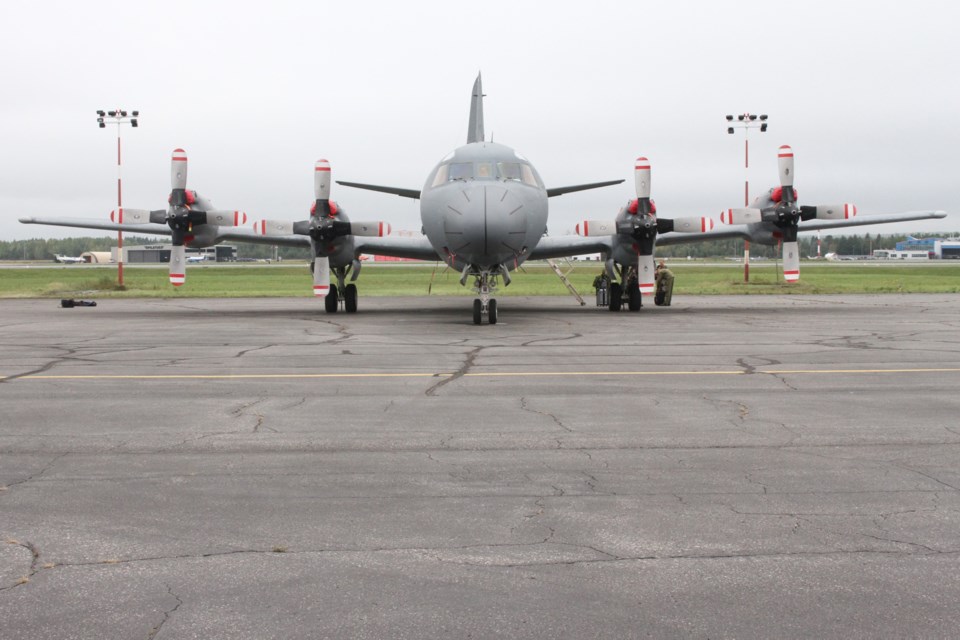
(484, 213)
(68, 259)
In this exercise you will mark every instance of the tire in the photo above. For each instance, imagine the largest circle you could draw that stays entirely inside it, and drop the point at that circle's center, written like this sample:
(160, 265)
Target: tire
(350, 298)
(332, 300)
(634, 300)
(616, 296)
(492, 312)
(477, 311)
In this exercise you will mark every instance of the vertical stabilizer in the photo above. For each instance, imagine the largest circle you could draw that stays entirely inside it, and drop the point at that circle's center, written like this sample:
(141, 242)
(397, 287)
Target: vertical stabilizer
(475, 131)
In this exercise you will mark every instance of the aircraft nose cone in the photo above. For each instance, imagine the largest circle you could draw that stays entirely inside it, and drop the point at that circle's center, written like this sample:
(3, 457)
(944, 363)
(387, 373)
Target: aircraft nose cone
(485, 224)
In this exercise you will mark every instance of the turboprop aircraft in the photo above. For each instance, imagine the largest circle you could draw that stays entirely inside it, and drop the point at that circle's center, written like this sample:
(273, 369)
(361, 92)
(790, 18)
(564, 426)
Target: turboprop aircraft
(484, 213)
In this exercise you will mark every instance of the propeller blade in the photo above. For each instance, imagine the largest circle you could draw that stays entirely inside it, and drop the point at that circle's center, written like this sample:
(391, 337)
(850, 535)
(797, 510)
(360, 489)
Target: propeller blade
(226, 218)
(791, 261)
(321, 180)
(589, 228)
(321, 276)
(785, 160)
(641, 174)
(741, 216)
(370, 229)
(178, 263)
(829, 212)
(130, 216)
(273, 227)
(645, 275)
(692, 225)
(178, 169)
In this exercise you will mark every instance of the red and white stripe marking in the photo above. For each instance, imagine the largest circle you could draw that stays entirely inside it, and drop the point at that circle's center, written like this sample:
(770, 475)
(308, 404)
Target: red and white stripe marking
(706, 224)
(179, 155)
(260, 227)
(322, 165)
(646, 288)
(384, 229)
(117, 216)
(785, 152)
(791, 276)
(321, 289)
(726, 216)
(849, 211)
(177, 279)
(642, 164)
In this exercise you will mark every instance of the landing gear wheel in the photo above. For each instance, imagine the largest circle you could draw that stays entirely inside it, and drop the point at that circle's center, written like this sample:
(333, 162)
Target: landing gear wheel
(616, 296)
(350, 298)
(634, 300)
(492, 312)
(477, 311)
(331, 301)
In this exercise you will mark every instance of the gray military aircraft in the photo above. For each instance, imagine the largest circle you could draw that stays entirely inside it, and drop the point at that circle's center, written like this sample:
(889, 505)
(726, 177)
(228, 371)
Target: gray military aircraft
(484, 213)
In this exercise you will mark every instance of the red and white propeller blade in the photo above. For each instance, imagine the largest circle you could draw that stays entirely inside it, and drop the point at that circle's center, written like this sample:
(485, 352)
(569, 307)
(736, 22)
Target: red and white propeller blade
(370, 229)
(645, 275)
(741, 216)
(641, 175)
(321, 180)
(831, 211)
(178, 265)
(321, 276)
(130, 216)
(273, 227)
(589, 228)
(785, 160)
(692, 225)
(178, 169)
(226, 218)
(791, 261)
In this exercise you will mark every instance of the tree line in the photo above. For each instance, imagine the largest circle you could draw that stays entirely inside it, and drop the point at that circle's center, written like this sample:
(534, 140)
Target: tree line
(45, 248)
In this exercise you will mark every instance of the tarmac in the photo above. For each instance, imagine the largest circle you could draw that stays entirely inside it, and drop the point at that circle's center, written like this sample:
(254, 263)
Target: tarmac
(730, 466)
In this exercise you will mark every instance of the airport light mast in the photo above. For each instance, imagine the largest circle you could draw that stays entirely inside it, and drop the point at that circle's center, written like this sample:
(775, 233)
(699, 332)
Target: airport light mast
(118, 117)
(746, 121)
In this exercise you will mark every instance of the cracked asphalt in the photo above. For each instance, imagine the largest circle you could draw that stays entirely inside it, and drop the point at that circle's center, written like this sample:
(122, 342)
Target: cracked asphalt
(746, 467)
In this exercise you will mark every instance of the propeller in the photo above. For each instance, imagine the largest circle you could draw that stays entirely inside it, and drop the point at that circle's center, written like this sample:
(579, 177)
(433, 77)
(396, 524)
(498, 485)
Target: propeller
(641, 224)
(181, 216)
(324, 226)
(786, 215)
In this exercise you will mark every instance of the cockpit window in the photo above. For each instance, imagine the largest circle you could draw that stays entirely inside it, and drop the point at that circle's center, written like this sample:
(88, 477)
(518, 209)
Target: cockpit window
(485, 171)
(529, 177)
(509, 170)
(461, 171)
(441, 176)
(521, 172)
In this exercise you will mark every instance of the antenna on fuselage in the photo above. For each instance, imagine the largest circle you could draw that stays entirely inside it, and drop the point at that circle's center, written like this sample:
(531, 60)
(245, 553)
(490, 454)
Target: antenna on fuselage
(475, 129)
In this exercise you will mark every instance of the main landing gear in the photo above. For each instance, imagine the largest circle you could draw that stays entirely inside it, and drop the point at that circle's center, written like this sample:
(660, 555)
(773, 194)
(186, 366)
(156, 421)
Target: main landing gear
(342, 293)
(627, 292)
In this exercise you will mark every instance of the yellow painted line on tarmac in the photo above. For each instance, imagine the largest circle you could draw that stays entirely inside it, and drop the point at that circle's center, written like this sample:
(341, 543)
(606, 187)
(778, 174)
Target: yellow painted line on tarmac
(491, 374)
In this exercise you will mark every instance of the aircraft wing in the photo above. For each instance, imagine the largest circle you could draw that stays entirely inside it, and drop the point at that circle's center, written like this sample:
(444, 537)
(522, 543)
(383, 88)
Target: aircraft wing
(814, 225)
(224, 234)
(565, 246)
(418, 248)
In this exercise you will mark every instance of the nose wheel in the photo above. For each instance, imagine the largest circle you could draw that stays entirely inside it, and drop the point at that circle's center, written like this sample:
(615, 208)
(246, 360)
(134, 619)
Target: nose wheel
(480, 309)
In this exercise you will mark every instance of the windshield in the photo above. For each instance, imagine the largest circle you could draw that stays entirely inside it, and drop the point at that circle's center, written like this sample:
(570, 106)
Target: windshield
(506, 171)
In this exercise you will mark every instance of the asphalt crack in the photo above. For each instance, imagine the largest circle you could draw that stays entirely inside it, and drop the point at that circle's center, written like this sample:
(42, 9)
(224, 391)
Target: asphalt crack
(166, 614)
(524, 406)
(468, 363)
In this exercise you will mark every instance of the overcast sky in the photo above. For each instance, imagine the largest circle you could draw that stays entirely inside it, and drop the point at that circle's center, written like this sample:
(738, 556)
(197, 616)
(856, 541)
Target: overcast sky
(865, 92)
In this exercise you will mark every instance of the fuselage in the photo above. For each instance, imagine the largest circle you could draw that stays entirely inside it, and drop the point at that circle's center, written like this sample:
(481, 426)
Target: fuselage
(484, 206)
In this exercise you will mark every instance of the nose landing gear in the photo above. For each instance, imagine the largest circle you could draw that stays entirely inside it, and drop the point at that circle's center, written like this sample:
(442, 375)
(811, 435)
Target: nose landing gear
(485, 305)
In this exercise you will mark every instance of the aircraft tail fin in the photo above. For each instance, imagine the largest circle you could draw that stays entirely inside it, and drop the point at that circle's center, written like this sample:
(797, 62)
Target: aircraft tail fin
(475, 129)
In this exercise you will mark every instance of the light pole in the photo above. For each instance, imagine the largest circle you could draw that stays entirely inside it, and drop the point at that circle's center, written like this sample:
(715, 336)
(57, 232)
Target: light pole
(746, 121)
(119, 117)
